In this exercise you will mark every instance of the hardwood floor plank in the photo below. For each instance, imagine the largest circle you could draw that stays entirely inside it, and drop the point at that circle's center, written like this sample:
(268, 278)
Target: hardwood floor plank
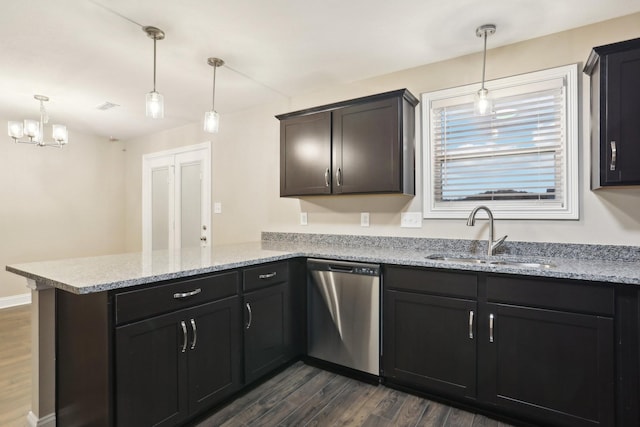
(411, 411)
(351, 394)
(360, 412)
(459, 418)
(389, 406)
(435, 414)
(15, 365)
(304, 413)
(290, 392)
(377, 421)
(296, 374)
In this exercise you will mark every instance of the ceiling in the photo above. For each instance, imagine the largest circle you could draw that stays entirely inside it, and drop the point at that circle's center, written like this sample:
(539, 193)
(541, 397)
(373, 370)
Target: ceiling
(82, 53)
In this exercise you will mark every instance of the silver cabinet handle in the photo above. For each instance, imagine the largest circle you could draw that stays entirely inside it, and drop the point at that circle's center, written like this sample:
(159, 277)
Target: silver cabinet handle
(491, 320)
(268, 275)
(470, 324)
(614, 155)
(327, 174)
(184, 336)
(195, 334)
(339, 177)
(187, 294)
(250, 315)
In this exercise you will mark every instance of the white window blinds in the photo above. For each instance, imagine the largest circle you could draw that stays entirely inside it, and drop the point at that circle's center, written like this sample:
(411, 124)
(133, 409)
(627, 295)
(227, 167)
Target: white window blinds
(514, 160)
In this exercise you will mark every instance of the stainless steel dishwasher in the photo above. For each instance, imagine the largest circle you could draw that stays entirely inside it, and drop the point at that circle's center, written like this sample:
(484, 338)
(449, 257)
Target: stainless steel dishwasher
(344, 314)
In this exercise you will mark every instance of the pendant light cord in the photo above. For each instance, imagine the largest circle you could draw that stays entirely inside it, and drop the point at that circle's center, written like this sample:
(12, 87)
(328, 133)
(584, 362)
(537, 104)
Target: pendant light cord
(213, 96)
(154, 63)
(484, 58)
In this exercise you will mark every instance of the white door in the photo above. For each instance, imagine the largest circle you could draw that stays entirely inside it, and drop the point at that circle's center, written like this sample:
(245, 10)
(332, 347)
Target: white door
(176, 194)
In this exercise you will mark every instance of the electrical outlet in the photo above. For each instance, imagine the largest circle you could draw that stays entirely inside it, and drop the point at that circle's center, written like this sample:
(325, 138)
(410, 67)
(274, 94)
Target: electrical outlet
(217, 207)
(303, 218)
(411, 220)
(364, 219)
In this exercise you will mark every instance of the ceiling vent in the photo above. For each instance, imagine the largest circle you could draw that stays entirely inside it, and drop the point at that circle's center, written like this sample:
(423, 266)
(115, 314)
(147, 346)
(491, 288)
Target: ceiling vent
(106, 106)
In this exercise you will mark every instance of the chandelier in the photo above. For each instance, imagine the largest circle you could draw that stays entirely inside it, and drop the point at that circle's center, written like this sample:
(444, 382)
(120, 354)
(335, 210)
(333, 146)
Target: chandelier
(34, 129)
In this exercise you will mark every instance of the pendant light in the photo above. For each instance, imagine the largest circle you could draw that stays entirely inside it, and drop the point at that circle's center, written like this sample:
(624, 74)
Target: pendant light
(212, 118)
(483, 104)
(154, 100)
(34, 130)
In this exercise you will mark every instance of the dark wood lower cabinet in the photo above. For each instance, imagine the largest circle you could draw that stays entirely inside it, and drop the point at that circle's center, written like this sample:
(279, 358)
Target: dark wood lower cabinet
(267, 335)
(172, 366)
(550, 366)
(429, 341)
(539, 350)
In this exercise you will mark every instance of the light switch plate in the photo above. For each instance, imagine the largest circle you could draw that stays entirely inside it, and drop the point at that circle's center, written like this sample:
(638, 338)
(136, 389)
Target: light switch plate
(411, 220)
(364, 219)
(303, 218)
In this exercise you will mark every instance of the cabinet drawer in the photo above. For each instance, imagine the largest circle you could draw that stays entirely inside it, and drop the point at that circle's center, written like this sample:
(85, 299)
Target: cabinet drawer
(454, 284)
(578, 297)
(142, 303)
(265, 275)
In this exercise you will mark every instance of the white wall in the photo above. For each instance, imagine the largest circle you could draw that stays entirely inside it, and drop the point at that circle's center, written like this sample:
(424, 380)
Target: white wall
(59, 203)
(246, 151)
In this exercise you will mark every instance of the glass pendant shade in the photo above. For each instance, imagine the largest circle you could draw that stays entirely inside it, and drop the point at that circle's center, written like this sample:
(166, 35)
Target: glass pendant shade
(211, 121)
(483, 104)
(15, 130)
(32, 128)
(60, 134)
(155, 105)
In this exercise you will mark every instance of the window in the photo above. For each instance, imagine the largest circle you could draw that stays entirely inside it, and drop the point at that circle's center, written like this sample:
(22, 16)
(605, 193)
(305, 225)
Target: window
(521, 161)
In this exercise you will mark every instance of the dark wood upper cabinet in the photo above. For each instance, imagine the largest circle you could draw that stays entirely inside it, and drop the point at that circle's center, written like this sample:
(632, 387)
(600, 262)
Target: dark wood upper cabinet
(615, 108)
(360, 146)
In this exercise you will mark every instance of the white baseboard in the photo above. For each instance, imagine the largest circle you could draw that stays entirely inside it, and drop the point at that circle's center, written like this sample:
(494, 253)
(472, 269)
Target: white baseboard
(14, 300)
(46, 421)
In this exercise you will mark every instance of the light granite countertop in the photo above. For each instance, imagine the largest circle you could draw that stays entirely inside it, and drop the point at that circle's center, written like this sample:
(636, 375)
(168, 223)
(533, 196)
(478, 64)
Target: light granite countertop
(103, 273)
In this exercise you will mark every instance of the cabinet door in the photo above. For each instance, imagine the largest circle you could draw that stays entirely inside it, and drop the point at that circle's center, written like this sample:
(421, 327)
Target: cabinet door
(151, 388)
(622, 124)
(430, 342)
(553, 367)
(267, 334)
(367, 148)
(305, 155)
(213, 352)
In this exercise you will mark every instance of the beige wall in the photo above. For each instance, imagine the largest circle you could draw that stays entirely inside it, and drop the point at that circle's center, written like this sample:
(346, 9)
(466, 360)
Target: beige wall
(59, 203)
(245, 158)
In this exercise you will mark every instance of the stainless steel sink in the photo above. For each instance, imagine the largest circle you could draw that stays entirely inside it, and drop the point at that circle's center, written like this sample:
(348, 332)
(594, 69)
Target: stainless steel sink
(438, 257)
(524, 264)
(505, 262)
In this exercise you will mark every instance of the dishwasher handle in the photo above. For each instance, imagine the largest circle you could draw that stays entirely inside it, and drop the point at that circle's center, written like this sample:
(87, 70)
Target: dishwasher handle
(345, 267)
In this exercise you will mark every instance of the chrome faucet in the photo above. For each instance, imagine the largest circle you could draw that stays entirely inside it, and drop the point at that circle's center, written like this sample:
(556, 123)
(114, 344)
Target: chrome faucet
(492, 245)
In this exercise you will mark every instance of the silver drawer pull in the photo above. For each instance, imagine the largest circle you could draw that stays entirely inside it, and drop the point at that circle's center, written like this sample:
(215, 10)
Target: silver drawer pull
(184, 336)
(339, 177)
(614, 155)
(470, 324)
(195, 334)
(250, 315)
(267, 276)
(326, 177)
(187, 294)
(491, 320)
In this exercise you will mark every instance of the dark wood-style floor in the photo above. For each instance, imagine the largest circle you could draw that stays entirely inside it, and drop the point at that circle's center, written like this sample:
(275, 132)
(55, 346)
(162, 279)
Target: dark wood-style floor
(303, 395)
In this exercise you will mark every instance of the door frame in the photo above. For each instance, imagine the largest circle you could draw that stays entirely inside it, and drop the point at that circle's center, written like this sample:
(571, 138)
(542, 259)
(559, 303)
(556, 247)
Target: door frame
(167, 157)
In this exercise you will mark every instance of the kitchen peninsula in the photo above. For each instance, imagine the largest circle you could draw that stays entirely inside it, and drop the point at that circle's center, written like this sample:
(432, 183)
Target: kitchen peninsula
(580, 282)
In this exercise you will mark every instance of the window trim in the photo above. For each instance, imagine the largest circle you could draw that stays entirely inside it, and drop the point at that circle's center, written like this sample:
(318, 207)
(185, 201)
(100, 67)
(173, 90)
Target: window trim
(508, 209)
